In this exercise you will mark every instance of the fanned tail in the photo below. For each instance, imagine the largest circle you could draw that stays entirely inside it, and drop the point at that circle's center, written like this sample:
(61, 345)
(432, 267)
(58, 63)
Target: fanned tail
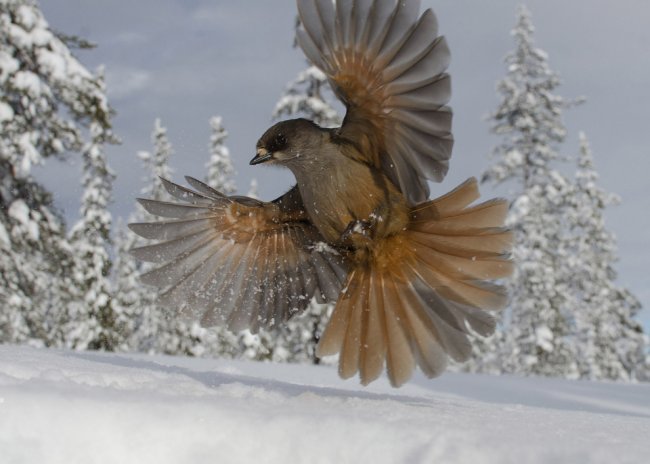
(416, 298)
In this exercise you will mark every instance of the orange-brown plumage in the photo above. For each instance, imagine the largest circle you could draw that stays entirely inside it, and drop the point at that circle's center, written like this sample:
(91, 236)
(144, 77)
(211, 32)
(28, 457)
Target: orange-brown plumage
(411, 277)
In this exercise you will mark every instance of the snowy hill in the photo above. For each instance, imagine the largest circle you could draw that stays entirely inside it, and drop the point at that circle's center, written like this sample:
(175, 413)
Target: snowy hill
(74, 407)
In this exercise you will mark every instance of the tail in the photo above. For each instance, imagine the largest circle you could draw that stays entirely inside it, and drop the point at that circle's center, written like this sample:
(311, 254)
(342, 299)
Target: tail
(417, 297)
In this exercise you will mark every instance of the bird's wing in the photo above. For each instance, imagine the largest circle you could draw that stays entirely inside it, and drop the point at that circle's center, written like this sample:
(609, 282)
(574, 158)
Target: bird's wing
(388, 67)
(237, 261)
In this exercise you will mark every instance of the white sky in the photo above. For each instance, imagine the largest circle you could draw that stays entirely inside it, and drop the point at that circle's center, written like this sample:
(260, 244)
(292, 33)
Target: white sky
(186, 60)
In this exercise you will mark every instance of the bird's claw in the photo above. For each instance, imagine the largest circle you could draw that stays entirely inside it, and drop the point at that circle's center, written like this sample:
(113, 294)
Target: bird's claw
(357, 229)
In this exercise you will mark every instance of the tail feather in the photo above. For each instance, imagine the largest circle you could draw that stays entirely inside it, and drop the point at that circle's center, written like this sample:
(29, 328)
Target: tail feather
(400, 360)
(331, 341)
(446, 324)
(373, 347)
(425, 342)
(481, 322)
(421, 293)
(472, 293)
(352, 343)
(491, 213)
(461, 268)
(481, 245)
(459, 198)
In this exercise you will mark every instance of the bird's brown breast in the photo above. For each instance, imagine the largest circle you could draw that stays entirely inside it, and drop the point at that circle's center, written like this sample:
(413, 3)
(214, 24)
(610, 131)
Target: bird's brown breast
(338, 193)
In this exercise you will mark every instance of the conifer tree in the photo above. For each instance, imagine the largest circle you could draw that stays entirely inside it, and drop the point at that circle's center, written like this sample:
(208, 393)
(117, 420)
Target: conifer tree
(91, 241)
(150, 326)
(528, 119)
(220, 169)
(611, 341)
(47, 100)
(131, 298)
(306, 97)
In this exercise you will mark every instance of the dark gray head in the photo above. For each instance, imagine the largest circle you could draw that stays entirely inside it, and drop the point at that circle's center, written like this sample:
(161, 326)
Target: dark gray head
(290, 142)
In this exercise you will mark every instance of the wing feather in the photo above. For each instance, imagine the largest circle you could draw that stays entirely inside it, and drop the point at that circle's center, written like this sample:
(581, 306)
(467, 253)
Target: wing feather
(236, 260)
(388, 67)
(205, 189)
(171, 230)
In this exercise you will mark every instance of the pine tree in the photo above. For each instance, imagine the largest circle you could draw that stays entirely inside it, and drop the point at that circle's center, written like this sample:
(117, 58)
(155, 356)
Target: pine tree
(537, 337)
(156, 164)
(220, 169)
(47, 100)
(612, 343)
(91, 242)
(150, 326)
(306, 97)
(130, 296)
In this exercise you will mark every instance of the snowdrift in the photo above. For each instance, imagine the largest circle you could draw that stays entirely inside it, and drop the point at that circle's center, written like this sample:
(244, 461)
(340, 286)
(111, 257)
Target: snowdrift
(77, 407)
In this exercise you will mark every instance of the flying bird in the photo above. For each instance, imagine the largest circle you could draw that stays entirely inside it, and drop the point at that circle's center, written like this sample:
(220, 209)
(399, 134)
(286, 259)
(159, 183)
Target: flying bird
(410, 277)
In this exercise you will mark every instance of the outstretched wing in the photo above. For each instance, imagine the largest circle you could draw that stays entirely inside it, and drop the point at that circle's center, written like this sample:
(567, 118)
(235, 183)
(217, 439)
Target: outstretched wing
(237, 261)
(388, 67)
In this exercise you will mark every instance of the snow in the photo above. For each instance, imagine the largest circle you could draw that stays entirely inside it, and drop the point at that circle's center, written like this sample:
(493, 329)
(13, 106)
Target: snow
(28, 82)
(78, 407)
(53, 63)
(8, 65)
(4, 236)
(6, 113)
(21, 213)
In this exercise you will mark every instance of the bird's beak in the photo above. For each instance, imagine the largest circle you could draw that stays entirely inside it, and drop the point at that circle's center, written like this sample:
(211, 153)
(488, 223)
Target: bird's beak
(262, 156)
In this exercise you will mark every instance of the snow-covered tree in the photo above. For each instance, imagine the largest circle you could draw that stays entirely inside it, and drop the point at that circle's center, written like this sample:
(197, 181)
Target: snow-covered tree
(95, 322)
(47, 100)
(306, 96)
(148, 325)
(156, 164)
(536, 339)
(219, 166)
(612, 343)
(129, 295)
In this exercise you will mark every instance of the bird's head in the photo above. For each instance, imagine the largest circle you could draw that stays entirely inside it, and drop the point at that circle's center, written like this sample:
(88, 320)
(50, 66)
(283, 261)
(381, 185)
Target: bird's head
(289, 143)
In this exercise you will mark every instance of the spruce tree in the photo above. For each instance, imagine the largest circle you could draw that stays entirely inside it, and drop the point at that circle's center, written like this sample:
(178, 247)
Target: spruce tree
(611, 341)
(536, 339)
(130, 296)
(219, 166)
(47, 101)
(306, 96)
(150, 326)
(91, 241)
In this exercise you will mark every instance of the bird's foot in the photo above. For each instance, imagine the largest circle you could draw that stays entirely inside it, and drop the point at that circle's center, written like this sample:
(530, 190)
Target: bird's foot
(357, 231)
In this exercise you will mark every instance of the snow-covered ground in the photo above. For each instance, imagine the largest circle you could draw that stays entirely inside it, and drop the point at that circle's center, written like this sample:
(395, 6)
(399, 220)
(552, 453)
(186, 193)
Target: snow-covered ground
(73, 407)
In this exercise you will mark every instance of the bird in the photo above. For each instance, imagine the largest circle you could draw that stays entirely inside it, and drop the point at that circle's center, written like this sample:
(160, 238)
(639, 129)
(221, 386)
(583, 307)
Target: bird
(412, 279)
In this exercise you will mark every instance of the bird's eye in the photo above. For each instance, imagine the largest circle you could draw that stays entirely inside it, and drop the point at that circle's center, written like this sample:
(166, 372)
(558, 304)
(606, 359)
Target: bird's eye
(280, 142)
